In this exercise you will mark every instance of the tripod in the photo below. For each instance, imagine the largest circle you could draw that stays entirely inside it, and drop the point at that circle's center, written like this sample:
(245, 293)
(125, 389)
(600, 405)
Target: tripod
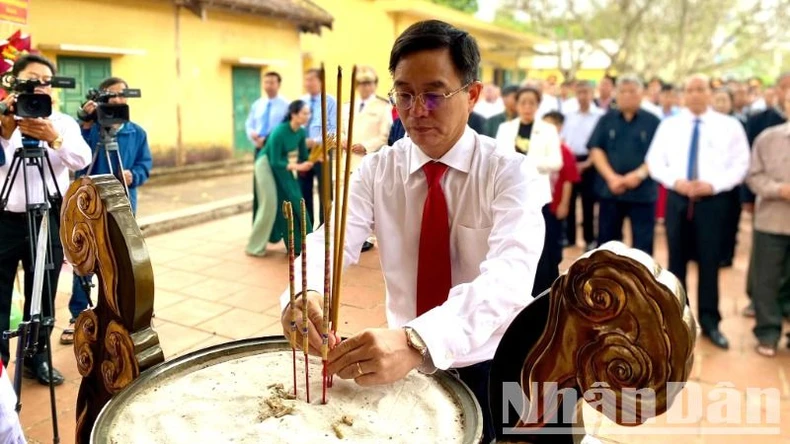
(108, 140)
(32, 154)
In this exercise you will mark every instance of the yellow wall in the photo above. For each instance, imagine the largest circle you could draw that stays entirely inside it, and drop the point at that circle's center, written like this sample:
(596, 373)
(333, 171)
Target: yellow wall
(206, 80)
(204, 89)
(156, 110)
(362, 33)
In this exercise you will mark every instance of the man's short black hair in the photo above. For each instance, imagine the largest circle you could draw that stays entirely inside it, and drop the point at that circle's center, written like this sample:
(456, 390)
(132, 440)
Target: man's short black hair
(509, 89)
(667, 87)
(275, 75)
(612, 78)
(108, 82)
(434, 34)
(25, 60)
(554, 117)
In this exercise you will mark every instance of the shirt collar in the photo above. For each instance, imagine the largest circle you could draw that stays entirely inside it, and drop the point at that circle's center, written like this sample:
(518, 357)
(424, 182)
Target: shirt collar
(459, 157)
(702, 117)
(366, 101)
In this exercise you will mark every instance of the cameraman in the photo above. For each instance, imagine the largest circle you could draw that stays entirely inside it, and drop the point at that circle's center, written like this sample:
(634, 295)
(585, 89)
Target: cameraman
(66, 150)
(136, 159)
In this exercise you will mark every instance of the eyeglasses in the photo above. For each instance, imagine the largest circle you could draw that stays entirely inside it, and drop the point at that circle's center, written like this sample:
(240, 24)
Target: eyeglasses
(430, 100)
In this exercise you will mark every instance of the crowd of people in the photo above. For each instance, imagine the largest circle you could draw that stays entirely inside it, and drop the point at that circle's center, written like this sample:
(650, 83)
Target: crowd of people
(674, 154)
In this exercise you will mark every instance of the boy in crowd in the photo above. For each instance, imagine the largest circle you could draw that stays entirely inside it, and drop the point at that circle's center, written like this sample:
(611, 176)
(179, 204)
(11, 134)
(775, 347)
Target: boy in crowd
(562, 186)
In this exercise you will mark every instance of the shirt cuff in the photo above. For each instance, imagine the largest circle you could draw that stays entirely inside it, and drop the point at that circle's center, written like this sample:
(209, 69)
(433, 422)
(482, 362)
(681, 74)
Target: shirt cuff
(441, 337)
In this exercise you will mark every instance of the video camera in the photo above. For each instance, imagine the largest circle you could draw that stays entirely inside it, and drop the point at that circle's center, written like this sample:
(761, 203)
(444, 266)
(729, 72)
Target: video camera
(28, 102)
(108, 114)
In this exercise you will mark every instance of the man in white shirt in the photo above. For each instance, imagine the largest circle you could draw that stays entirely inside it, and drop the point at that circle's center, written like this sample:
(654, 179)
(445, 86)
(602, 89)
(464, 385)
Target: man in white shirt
(699, 155)
(67, 151)
(459, 227)
(579, 125)
(372, 122)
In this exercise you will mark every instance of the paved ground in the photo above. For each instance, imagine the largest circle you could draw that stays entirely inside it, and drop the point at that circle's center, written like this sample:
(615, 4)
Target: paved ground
(208, 291)
(154, 200)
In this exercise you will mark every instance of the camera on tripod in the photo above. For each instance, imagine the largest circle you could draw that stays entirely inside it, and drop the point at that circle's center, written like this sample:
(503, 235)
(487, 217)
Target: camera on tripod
(108, 114)
(28, 102)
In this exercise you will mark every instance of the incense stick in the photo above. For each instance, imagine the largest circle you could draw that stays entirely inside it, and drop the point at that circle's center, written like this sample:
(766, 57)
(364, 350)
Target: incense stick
(326, 179)
(305, 320)
(342, 232)
(289, 216)
(339, 153)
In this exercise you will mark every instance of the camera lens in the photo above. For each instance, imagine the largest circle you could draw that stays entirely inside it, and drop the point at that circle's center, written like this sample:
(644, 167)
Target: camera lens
(33, 105)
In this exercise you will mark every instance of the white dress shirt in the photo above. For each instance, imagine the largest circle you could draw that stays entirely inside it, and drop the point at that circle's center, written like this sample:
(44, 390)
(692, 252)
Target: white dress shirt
(494, 205)
(723, 154)
(652, 108)
(544, 147)
(579, 127)
(548, 103)
(489, 109)
(73, 155)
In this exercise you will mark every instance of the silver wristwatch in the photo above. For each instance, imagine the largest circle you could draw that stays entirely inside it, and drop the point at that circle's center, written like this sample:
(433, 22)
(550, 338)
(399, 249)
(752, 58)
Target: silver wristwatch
(415, 341)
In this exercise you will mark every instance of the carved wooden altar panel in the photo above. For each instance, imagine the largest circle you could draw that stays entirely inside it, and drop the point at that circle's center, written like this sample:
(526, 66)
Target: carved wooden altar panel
(114, 341)
(616, 322)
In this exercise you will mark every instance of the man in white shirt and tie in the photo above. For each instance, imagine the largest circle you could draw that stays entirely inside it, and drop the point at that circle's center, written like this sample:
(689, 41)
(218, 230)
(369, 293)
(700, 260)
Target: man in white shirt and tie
(579, 125)
(459, 227)
(60, 135)
(699, 155)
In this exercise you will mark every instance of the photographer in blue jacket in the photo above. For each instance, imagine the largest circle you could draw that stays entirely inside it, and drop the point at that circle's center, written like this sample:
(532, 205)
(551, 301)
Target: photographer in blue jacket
(135, 164)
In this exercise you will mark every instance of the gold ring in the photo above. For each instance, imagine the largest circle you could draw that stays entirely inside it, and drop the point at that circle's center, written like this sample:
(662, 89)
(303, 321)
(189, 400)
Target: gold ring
(359, 369)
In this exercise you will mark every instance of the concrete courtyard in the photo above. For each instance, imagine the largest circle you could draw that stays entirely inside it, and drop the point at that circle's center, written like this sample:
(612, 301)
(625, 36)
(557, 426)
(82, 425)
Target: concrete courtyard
(208, 291)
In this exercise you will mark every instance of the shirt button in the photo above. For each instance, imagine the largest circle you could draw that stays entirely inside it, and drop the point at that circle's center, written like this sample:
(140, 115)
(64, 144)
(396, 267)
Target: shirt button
(449, 356)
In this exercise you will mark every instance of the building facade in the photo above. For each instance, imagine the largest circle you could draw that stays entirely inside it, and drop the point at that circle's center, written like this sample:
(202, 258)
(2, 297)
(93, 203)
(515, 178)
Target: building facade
(364, 31)
(199, 64)
(199, 68)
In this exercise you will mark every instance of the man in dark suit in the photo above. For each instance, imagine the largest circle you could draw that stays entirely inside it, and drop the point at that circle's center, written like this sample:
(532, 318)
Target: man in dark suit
(756, 124)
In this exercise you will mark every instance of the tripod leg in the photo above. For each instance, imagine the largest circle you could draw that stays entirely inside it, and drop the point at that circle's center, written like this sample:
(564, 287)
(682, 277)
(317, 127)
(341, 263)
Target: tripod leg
(55, 432)
(121, 172)
(21, 341)
(13, 170)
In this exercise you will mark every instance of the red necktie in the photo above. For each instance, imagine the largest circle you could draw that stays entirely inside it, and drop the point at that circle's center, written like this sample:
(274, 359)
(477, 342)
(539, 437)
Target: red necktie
(433, 266)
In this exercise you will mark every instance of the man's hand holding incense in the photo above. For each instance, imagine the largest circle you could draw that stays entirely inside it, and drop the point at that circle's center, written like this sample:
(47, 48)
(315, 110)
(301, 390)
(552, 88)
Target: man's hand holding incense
(315, 315)
(374, 357)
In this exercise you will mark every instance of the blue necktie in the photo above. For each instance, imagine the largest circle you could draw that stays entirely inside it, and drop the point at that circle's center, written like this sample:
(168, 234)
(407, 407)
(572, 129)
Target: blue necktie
(693, 170)
(313, 112)
(266, 117)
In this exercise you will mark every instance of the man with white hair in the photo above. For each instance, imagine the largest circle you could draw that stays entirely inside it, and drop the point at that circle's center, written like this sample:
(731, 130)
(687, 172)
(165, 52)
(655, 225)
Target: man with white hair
(618, 146)
(699, 155)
